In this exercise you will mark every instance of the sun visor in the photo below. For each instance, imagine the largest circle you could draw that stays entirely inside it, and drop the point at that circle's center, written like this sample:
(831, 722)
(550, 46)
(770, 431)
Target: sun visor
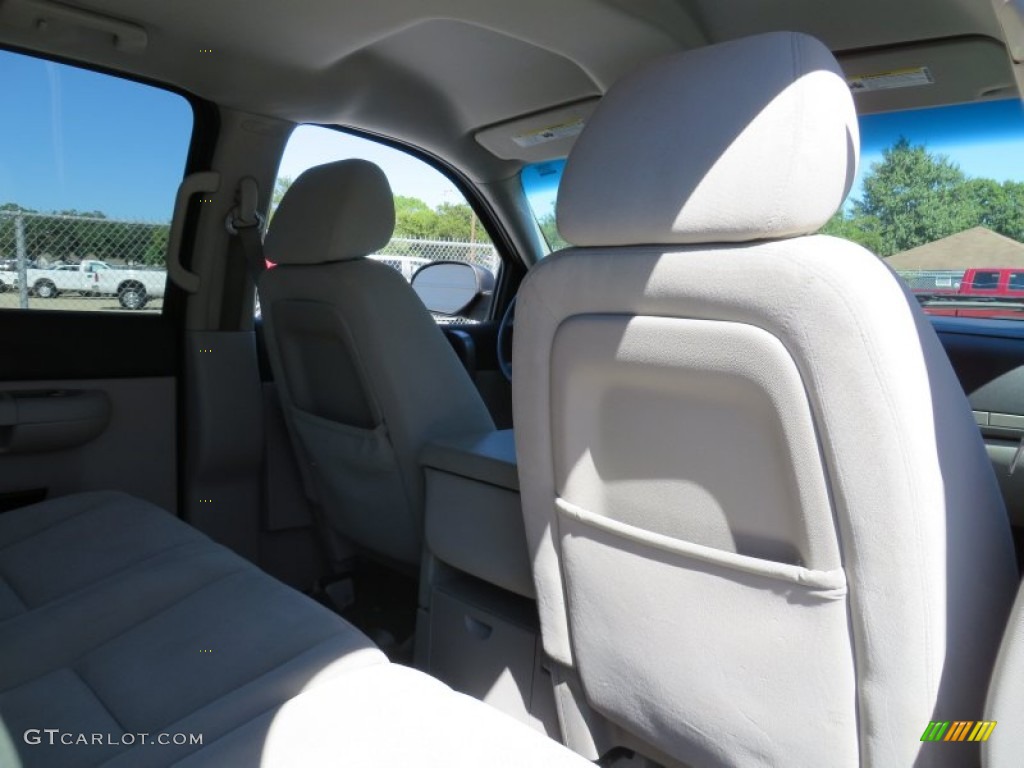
(952, 71)
(541, 136)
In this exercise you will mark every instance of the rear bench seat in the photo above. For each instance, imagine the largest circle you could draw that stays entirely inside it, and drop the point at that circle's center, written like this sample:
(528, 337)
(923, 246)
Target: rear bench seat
(117, 619)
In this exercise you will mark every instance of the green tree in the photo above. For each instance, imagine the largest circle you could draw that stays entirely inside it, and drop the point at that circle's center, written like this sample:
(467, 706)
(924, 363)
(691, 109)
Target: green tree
(72, 235)
(1000, 206)
(155, 253)
(281, 186)
(916, 197)
(14, 208)
(864, 230)
(549, 228)
(458, 223)
(414, 219)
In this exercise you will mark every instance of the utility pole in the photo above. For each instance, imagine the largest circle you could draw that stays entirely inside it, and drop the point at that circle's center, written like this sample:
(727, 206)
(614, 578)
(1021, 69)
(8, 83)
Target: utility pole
(472, 234)
(19, 244)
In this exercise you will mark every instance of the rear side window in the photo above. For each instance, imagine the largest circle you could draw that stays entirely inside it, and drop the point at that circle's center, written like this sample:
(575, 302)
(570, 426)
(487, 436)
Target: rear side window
(1016, 281)
(985, 281)
(434, 222)
(89, 168)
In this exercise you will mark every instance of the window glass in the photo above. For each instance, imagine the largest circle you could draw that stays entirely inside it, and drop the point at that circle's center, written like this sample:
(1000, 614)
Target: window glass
(433, 221)
(540, 184)
(1016, 281)
(939, 192)
(89, 168)
(985, 281)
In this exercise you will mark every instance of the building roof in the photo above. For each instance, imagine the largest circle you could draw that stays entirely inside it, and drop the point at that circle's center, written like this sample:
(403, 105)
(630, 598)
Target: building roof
(979, 247)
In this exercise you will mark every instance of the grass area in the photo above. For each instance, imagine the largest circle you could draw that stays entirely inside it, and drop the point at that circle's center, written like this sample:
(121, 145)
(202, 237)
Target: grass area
(11, 300)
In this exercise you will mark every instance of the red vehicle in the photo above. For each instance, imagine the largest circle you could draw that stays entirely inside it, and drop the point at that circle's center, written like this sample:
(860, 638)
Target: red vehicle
(982, 292)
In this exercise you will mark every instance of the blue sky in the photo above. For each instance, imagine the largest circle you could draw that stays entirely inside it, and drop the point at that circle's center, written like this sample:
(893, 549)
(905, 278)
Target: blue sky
(311, 145)
(74, 139)
(985, 139)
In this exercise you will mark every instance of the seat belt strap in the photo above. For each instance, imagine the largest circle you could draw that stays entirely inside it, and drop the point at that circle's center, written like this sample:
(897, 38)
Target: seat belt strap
(246, 223)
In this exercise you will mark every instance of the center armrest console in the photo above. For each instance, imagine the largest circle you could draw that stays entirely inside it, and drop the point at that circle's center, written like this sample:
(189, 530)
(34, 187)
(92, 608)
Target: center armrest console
(474, 521)
(477, 628)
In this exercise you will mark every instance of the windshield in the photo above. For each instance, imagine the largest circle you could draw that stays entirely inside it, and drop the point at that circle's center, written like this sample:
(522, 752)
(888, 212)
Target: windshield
(939, 196)
(540, 183)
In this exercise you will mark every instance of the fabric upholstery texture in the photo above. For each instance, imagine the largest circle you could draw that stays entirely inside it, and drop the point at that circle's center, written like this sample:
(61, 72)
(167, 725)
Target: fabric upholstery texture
(392, 716)
(794, 554)
(365, 376)
(1005, 704)
(123, 620)
(772, 155)
(474, 519)
(332, 212)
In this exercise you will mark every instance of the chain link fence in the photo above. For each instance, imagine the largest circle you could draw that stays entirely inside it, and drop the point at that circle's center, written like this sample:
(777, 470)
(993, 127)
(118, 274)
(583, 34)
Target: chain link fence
(76, 262)
(407, 255)
(932, 279)
(90, 262)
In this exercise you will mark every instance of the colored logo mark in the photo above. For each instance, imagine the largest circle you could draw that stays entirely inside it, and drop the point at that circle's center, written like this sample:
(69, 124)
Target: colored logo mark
(959, 730)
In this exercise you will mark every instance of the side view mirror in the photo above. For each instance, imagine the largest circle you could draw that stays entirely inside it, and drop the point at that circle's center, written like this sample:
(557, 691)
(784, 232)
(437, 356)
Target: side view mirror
(453, 288)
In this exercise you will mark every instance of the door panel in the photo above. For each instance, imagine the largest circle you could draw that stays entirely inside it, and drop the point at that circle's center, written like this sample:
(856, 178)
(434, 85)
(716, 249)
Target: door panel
(134, 452)
(48, 420)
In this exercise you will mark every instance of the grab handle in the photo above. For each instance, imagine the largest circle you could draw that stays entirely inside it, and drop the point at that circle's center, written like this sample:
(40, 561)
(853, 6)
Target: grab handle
(206, 181)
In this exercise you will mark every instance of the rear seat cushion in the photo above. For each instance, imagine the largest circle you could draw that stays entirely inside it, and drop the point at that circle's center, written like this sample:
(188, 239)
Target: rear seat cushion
(385, 716)
(122, 619)
(53, 549)
(116, 618)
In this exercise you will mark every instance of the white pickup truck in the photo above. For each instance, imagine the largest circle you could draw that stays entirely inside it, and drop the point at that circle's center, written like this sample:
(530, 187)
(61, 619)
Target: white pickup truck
(133, 287)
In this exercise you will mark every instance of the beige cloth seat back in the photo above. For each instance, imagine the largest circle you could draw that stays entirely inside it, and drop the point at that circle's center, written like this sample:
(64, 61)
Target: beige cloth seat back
(1005, 704)
(763, 526)
(365, 376)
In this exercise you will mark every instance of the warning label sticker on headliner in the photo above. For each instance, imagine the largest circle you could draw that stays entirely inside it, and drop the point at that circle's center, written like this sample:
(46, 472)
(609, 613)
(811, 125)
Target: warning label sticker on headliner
(897, 78)
(551, 133)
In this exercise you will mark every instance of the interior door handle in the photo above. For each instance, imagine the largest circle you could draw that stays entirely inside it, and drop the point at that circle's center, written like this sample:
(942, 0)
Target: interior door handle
(33, 421)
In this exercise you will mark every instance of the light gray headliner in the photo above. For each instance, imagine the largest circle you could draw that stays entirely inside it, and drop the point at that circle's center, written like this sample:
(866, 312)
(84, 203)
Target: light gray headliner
(433, 72)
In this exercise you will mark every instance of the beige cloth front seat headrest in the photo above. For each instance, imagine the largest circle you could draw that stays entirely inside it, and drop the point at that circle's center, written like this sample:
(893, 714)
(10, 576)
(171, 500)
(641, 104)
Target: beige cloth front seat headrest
(334, 212)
